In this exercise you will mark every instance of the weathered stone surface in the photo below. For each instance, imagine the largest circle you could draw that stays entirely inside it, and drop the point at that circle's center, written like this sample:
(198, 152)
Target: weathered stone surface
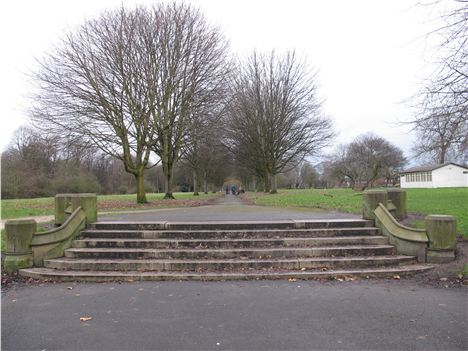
(408, 241)
(109, 276)
(18, 246)
(228, 250)
(442, 231)
(53, 243)
(370, 201)
(398, 198)
(65, 204)
(440, 256)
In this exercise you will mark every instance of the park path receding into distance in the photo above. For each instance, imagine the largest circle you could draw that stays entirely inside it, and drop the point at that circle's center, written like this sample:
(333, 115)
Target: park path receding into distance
(225, 208)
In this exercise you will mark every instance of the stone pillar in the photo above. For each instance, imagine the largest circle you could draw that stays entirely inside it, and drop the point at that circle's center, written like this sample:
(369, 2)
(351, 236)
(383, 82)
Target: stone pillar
(62, 208)
(65, 204)
(19, 233)
(88, 203)
(442, 234)
(398, 198)
(370, 201)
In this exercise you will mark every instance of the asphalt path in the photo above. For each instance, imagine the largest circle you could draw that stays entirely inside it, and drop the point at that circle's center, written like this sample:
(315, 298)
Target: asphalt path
(253, 315)
(226, 208)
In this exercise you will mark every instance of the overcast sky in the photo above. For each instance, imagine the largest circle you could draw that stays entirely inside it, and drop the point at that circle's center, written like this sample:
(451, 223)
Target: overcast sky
(371, 55)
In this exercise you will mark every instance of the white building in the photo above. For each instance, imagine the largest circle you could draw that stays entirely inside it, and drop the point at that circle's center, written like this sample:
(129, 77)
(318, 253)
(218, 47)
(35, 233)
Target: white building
(447, 175)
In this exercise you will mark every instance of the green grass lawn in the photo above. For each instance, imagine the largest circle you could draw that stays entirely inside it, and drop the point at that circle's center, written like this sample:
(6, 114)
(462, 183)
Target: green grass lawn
(18, 208)
(450, 201)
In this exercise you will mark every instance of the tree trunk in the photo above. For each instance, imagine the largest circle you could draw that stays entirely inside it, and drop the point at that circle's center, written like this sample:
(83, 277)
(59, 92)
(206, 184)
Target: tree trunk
(274, 189)
(140, 188)
(266, 183)
(443, 151)
(205, 183)
(195, 183)
(167, 170)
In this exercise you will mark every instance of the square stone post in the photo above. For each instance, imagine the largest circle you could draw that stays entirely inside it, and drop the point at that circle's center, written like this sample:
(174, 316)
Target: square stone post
(442, 234)
(398, 198)
(18, 253)
(370, 201)
(65, 204)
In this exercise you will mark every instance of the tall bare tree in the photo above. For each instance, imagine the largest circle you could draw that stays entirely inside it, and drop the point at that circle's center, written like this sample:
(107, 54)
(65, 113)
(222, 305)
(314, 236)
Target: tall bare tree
(189, 70)
(275, 115)
(96, 86)
(441, 122)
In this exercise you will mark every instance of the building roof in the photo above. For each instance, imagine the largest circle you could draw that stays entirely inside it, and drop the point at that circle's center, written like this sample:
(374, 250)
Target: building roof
(430, 167)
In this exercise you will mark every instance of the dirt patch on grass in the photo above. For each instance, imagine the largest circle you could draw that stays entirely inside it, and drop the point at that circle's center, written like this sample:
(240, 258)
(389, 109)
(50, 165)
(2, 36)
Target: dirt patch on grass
(110, 205)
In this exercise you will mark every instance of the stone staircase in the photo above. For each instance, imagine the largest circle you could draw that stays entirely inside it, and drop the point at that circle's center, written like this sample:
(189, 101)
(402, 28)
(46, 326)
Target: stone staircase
(324, 249)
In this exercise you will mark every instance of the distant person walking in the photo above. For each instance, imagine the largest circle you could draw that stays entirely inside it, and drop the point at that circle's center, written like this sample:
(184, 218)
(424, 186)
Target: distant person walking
(234, 190)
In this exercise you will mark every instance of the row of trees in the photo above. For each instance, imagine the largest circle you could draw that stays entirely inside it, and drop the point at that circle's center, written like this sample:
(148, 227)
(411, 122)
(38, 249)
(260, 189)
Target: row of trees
(34, 165)
(156, 88)
(159, 80)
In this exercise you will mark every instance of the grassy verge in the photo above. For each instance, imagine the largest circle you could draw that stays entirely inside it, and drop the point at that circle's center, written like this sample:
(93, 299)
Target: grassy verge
(18, 208)
(450, 201)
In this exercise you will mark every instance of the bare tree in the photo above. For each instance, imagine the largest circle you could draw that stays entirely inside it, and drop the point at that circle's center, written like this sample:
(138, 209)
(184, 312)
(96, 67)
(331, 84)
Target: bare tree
(275, 116)
(441, 122)
(366, 159)
(189, 69)
(439, 135)
(96, 86)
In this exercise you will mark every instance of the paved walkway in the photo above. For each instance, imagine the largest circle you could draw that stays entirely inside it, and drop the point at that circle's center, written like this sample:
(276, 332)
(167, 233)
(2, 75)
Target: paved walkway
(254, 315)
(226, 208)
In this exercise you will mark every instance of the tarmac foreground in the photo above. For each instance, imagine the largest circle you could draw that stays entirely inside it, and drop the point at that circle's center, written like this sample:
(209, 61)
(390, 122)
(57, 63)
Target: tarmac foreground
(253, 315)
(236, 315)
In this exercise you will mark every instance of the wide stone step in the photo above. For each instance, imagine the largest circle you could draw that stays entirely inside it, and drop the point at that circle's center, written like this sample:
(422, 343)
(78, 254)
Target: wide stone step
(229, 234)
(109, 276)
(224, 225)
(225, 264)
(131, 253)
(228, 243)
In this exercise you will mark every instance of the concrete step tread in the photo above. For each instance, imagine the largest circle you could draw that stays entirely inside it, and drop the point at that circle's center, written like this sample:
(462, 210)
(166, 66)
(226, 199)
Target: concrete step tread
(45, 273)
(118, 249)
(235, 260)
(213, 223)
(165, 240)
(202, 231)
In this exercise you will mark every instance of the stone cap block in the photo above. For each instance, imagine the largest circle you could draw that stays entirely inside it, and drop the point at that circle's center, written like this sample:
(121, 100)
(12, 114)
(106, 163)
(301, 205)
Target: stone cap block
(375, 191)
(20, 221)
(440, 218)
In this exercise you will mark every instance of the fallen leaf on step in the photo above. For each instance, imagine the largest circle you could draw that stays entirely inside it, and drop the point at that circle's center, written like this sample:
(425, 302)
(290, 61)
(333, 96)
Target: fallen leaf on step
(85, 319)
(70, 287)
(443, 279)
(397, 277)
(339, 279)
(303, 269)
(292, 280)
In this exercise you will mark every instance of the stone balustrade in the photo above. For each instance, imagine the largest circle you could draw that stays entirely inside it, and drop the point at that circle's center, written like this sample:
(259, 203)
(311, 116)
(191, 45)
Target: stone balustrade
(434, 244)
